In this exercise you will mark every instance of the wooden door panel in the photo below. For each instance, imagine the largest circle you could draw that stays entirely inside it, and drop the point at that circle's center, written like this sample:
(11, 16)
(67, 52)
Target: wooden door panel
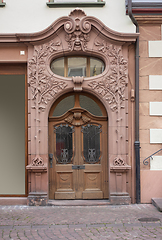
(92, 180)
(64, 195)
(64, 181)
(92, 194)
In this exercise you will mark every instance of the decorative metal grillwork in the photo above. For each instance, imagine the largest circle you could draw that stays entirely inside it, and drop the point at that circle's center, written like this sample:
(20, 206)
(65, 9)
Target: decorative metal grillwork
(64, 143)
(91, 143)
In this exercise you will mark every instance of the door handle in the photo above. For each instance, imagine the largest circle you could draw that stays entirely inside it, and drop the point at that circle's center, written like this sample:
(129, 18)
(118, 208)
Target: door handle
(51, 159)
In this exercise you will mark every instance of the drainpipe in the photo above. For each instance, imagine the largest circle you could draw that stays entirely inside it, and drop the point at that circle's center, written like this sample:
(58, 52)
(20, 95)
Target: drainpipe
(137, 143)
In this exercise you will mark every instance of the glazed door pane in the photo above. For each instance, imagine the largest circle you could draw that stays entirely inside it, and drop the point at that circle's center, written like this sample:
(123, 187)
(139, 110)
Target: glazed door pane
(91, 143)
(64, 143)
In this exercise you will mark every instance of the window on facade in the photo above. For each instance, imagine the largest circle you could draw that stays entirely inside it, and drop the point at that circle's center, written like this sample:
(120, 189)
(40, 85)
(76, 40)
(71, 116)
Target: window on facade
(77, 66)
(75, 1)
(2, 4)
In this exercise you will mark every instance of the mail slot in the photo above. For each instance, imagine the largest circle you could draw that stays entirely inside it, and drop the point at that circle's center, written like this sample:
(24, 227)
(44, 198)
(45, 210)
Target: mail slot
(78, 167)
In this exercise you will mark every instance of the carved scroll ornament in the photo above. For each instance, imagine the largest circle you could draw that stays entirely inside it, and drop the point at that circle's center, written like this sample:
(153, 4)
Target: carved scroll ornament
(77, 31)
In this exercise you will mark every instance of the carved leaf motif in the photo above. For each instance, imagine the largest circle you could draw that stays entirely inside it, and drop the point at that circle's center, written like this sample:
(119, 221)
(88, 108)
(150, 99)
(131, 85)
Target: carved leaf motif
(85, 119)
(113, 86)
(69, 119)
(53, 46)
(43, 86)
(102, 46)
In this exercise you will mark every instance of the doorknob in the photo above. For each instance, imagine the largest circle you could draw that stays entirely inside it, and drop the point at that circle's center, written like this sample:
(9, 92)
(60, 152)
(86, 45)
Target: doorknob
(50, 159)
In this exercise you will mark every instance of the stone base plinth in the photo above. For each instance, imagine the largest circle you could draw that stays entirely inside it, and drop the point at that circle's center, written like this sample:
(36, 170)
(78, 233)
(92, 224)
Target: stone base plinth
(157, 202)
(120, 199)
(37, 199)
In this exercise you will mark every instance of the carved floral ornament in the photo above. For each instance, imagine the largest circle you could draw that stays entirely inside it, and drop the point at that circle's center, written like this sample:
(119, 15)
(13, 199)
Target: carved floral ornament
(112, 86)
(44, 86)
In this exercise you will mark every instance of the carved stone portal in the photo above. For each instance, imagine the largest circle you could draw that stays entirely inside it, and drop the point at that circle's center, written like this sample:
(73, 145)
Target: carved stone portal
(77, 34)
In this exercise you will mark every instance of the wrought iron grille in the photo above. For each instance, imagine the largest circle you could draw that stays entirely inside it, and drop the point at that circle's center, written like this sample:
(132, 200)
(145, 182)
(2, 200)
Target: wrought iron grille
(64, 143)
(91, 143)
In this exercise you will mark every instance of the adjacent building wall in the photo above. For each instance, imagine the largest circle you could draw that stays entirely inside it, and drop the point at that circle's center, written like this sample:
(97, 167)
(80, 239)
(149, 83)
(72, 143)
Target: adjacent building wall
(150, 110)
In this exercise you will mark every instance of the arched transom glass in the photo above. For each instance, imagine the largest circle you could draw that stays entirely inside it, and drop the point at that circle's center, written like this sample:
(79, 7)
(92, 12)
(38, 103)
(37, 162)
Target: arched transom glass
(78, 100)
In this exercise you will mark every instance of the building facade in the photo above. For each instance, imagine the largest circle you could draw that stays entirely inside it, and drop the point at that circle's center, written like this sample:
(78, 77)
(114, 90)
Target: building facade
(73, 115)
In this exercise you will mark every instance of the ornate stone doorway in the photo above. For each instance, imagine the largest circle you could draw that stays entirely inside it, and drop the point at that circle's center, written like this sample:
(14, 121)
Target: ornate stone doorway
(78, 149)
(111, 81)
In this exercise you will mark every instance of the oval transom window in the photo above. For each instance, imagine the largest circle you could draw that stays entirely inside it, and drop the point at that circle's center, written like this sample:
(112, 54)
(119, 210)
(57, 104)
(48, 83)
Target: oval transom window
(77, 66)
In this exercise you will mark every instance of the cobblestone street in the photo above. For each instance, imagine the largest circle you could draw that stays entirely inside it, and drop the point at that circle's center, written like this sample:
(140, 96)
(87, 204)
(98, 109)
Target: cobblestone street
(80, 222)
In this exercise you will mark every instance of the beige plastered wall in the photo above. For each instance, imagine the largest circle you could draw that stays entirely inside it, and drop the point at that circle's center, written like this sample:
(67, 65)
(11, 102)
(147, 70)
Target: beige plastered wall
(150, 179)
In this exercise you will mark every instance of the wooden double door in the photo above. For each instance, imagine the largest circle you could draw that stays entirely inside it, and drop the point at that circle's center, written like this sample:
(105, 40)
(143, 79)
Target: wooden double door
(78, 167)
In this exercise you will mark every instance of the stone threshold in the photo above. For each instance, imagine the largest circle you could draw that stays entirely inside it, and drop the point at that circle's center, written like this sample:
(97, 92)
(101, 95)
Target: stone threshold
(78, 202)
(157, 202)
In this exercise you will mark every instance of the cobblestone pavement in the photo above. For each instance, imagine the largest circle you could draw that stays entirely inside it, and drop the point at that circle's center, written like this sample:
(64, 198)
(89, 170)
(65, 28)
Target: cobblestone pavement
(80, 222)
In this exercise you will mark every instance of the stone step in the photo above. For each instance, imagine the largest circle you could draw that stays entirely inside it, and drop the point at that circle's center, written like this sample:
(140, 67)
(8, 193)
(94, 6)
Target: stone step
(157, 202)
(78, 202)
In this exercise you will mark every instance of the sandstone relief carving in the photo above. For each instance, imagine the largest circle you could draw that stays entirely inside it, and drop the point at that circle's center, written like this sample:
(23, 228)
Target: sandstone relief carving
(77, 31)
(77, 119)
(37, 161)
(43, 87)
(113, 86)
